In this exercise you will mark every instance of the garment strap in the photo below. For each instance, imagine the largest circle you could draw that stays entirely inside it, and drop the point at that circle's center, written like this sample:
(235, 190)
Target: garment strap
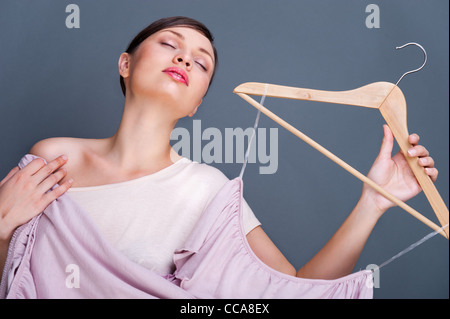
(411, 247)
(253, 132)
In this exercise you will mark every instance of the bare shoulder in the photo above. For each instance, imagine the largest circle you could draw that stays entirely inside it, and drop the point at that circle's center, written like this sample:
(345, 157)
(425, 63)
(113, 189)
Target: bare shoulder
(77, 150)
(51, 148)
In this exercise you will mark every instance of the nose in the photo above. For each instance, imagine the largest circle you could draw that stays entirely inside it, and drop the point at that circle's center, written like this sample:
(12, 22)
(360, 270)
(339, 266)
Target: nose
(183, 59)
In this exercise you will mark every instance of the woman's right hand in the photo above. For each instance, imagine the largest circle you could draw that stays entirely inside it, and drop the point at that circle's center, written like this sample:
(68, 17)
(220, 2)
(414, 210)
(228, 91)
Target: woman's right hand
(24, 193)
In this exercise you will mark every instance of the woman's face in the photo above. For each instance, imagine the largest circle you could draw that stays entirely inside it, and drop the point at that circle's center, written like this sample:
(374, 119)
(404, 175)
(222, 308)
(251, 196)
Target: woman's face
(173, 66)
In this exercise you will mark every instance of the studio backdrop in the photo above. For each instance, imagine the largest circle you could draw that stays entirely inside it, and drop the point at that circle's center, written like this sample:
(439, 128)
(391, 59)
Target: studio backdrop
(59, 77)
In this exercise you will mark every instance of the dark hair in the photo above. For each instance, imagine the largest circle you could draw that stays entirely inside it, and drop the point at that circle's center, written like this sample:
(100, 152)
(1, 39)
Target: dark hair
(165, 23)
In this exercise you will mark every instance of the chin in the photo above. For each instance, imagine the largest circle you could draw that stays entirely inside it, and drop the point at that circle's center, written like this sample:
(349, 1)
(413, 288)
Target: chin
(166, 92)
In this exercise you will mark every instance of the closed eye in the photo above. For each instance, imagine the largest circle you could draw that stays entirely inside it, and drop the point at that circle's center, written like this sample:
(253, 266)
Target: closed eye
(202, 66)
(168, 44)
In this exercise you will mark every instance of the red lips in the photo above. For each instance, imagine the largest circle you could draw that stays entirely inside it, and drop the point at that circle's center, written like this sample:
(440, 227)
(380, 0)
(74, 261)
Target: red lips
(177, 74)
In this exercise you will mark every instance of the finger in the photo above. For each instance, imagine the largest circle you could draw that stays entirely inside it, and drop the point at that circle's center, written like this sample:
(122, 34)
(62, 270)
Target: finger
(432, 172)
(57, 192)
(9, 175)
(418, 151)
(387, 144)
(32, 167)
(48, 169)
(52, 180)
(426, 162)
(413, 139)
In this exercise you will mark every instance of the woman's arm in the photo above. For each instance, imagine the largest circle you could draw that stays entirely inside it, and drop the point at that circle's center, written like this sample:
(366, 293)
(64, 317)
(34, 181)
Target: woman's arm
(339, 256)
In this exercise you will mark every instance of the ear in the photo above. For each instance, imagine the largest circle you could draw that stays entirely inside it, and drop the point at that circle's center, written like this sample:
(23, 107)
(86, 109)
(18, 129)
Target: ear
(124, 65)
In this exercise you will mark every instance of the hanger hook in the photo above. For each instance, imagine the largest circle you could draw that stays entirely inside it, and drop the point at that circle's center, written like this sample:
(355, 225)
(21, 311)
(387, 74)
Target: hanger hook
(418, 69)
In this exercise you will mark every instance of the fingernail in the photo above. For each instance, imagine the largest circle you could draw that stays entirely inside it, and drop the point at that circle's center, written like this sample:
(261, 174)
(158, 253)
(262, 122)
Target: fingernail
(412, 152)
(64, 157)
(70, 181)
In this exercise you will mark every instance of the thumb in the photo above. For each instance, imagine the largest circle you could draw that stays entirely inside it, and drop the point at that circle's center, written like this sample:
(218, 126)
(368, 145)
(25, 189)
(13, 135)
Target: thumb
(387, 144)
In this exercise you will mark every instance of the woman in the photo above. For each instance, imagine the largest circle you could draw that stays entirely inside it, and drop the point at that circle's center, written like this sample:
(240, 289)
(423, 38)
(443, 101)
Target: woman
(165, 73)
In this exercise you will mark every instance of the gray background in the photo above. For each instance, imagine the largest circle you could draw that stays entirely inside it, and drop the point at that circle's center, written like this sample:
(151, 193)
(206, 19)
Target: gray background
(56, 81)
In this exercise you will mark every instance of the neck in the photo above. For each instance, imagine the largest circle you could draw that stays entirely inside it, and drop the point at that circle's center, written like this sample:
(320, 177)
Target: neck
(142, 140)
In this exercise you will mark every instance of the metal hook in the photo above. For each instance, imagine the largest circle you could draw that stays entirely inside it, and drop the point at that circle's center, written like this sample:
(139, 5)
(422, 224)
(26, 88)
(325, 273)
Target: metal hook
(418, 69)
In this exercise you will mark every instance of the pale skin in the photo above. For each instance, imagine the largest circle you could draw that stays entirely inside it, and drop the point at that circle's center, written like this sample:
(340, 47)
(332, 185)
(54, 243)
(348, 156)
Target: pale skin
(154, 103)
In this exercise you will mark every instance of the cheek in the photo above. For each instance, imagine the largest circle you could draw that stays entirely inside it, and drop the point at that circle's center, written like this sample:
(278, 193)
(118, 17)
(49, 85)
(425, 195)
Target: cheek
(145, 72)
(148, 59)
(203, 85)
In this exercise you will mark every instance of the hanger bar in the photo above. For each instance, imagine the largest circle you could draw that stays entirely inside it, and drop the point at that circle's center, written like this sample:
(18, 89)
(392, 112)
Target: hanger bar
(371, 95)
(393, 110)
(384, 96)
(275, 91)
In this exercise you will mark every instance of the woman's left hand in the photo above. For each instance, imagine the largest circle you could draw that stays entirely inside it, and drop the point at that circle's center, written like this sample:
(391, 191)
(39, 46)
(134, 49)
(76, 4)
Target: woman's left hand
(394, 174)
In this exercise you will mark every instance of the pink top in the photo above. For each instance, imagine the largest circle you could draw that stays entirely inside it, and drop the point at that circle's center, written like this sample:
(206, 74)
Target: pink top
(217, 262)
(62, 254)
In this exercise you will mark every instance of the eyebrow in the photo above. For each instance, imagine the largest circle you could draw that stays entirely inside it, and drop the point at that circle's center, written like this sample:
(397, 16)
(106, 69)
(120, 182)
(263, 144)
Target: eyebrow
(183, 38)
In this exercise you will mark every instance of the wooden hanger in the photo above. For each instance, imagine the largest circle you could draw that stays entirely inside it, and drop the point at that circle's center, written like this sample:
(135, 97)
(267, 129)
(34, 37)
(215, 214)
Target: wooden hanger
(384, 96)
